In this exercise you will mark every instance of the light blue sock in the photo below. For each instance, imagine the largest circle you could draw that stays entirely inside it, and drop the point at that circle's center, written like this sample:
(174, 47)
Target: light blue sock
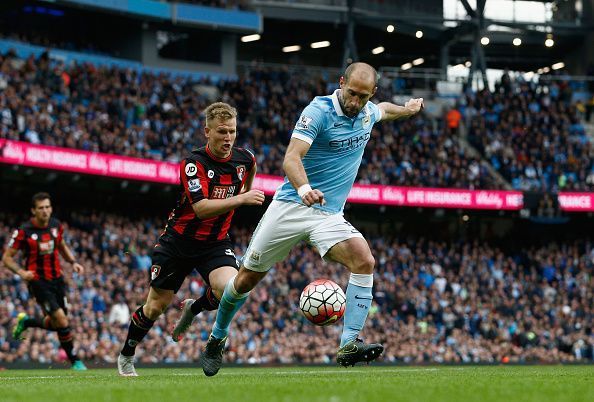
(231, 302)
(358, 302)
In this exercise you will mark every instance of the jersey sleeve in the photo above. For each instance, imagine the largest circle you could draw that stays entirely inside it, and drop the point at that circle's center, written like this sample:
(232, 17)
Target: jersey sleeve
(252, 158)
(375, 110)
(310, 124)
(17, 239)
(194, 180)
(60, 234)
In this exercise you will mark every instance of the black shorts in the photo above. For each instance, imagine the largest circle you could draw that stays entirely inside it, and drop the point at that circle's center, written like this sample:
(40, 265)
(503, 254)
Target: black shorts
(50, 294)
(174, 258)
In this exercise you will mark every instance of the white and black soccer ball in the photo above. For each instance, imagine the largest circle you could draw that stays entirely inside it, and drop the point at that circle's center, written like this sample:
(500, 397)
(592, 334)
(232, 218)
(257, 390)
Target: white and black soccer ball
(322, 302)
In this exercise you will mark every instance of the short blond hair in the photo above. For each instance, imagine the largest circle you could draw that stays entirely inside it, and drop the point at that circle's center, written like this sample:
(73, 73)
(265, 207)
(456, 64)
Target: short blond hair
(221, 111)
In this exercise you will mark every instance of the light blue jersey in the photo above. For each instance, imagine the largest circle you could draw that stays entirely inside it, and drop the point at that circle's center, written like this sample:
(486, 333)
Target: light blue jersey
(337, 145)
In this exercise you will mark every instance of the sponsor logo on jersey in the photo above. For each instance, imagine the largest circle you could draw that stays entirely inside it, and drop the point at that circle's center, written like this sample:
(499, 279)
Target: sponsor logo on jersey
(354, 142)
(155, 269)
(240, 171)
(46, 247)
(194, 185)
(303, 122)
(222, 192)
(191, 169)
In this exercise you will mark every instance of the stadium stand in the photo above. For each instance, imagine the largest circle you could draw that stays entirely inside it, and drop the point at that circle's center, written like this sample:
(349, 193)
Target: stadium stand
(458, 301)
(121, 111)
(533, 135)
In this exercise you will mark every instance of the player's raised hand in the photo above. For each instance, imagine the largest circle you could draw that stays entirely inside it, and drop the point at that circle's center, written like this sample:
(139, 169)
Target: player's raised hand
(79, 269)
(313, 197)
(253, 197)
(414, 106)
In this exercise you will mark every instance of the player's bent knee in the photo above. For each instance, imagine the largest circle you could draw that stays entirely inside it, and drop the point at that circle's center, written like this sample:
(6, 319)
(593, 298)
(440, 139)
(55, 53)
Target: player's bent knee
(61, 322)
(153, 309)
(365, 265)
(246, 280)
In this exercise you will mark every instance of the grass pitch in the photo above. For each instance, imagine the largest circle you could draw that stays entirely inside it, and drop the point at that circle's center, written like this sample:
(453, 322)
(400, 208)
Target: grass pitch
(307, 384)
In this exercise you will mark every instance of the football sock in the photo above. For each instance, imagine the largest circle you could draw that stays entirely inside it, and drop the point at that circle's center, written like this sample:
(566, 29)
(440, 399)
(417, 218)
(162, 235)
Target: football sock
(358, 302)
(139, 327)
(208, 302)
(45, 323)
(231, 302)
(66, 341)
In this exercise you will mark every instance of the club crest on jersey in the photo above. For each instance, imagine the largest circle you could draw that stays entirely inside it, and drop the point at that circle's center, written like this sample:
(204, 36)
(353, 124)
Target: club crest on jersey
(191, 169)
(255, 256)
(34, 236)
(155, 269)
(54, 232)
(367, 118)
(303, 122)
(240, 172)
(194, 185)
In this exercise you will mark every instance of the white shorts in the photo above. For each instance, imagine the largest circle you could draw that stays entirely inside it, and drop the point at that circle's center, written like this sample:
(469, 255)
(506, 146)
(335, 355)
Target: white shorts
(287, 223)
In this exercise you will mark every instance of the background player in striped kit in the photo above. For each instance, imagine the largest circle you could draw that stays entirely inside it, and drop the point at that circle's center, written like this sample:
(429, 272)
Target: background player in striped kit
(215, 179)
(41, 239)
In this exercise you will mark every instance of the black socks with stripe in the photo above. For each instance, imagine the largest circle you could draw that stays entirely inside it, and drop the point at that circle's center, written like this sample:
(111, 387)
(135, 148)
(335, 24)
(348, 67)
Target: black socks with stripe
(139, 327)
(208, 302)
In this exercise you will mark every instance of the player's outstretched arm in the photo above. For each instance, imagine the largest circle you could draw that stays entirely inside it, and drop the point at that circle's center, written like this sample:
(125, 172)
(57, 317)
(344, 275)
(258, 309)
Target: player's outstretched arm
(208, 208)
(295, 172)
(69, 256)
(10, 263)
(391, 111)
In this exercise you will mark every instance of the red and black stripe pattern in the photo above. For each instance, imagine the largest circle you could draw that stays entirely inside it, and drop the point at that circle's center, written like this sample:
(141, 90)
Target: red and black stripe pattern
(204, 176)
(40, 248)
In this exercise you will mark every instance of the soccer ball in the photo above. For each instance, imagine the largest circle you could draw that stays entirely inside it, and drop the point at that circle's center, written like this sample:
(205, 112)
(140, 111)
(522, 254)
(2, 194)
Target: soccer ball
(322, 302)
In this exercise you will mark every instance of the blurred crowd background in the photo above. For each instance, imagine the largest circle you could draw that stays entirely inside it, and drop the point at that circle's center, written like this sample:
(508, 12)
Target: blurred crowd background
(434, 301)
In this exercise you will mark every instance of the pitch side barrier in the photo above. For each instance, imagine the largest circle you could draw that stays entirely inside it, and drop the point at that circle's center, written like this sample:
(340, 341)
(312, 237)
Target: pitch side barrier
(123, 167)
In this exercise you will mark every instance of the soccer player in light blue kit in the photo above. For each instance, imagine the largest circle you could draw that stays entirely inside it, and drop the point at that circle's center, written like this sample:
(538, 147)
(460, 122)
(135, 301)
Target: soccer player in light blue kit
(321, 164)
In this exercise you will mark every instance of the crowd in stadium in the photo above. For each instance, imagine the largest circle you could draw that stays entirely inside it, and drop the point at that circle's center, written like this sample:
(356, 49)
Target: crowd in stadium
(528, 132)
(433, 301)
(533, 135)
(144, 115)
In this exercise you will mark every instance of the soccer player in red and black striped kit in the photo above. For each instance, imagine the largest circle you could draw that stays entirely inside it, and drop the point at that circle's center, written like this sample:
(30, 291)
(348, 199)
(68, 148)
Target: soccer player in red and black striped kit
(41, 239)
(215, 179)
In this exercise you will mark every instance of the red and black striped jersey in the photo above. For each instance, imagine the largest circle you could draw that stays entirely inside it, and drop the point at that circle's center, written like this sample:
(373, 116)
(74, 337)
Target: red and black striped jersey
(204, 176)
(40, 247)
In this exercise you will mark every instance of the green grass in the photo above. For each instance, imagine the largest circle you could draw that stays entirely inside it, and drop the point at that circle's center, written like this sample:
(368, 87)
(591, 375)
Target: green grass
(287, 384)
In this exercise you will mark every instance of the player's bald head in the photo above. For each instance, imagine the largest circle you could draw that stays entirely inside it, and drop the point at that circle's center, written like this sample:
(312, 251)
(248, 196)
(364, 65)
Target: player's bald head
(362, 72)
